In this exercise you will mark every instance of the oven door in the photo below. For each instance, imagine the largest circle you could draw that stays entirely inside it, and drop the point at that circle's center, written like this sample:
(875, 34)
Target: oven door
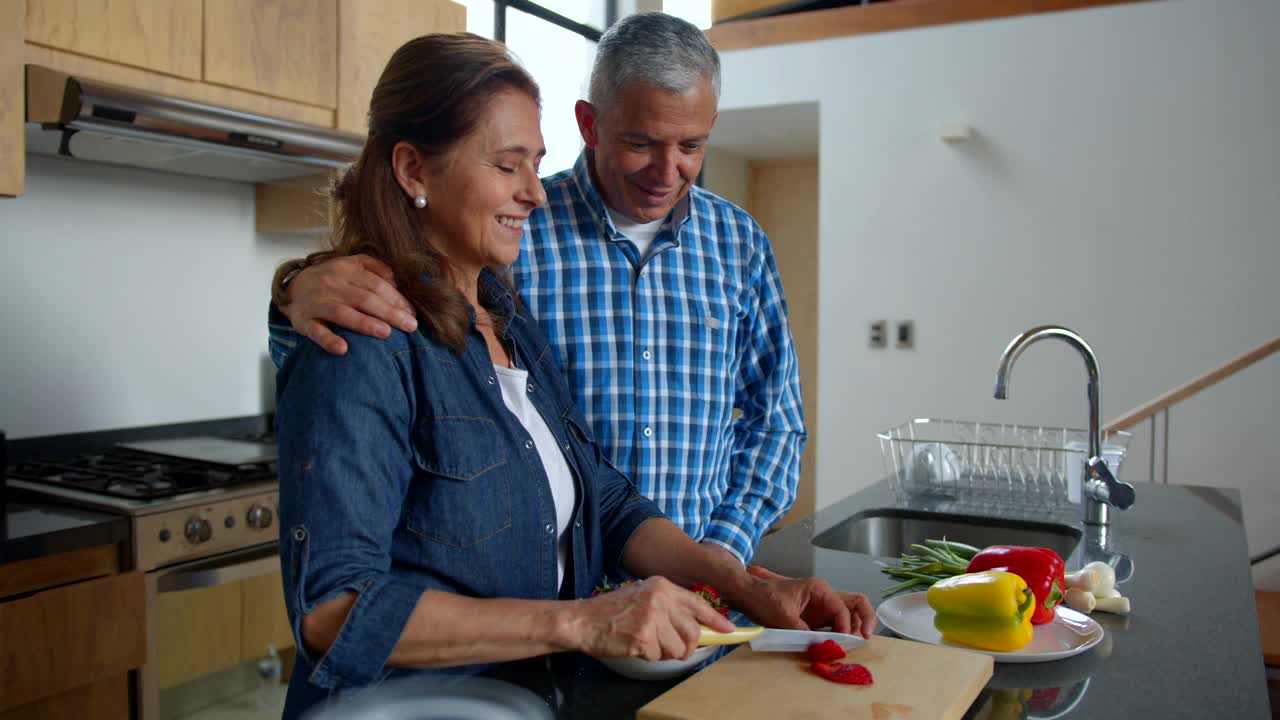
(218, 638)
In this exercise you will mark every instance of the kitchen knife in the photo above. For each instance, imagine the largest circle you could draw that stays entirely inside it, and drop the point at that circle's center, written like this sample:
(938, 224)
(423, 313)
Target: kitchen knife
(777, 640)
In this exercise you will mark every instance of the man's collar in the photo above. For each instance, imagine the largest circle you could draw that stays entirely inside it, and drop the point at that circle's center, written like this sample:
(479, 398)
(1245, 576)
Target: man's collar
(595, 200)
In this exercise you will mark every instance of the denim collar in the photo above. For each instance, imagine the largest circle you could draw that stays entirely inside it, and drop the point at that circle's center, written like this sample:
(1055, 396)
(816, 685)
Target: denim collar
(493, 292)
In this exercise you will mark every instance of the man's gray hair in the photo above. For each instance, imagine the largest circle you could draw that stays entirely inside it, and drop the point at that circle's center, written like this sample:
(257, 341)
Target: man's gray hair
(655, 48)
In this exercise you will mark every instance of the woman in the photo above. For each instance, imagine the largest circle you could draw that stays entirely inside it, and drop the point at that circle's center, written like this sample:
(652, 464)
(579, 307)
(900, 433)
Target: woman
(442, 502)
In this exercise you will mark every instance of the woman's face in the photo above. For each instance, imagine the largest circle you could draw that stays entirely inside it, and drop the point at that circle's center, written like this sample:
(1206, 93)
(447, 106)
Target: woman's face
(481, 196)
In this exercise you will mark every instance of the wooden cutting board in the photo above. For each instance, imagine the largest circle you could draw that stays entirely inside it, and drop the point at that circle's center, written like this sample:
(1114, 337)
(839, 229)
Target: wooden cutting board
(913, 681)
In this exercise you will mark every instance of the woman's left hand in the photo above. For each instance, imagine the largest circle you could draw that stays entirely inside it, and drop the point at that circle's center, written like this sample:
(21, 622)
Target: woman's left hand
(804, 604)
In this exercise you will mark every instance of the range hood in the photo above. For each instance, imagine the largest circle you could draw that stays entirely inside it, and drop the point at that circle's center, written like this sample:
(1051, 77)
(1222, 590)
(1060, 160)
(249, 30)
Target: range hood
(72, 116)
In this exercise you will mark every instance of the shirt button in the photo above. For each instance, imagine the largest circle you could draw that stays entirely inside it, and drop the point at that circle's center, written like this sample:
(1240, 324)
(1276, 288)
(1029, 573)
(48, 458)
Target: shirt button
(643, 272)
(550, 528)
(491, 380)
(528, 444)
(577, 524)
(645, 355)
(530, 387)
(648, 432)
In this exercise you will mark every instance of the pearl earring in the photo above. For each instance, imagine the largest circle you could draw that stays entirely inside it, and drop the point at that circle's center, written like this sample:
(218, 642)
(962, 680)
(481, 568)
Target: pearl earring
(420, 201)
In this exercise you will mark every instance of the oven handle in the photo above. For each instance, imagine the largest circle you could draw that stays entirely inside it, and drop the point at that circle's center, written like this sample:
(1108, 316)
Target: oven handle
(228, 568)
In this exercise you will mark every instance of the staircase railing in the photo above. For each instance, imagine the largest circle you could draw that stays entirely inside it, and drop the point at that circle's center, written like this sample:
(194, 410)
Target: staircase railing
(1162, 404)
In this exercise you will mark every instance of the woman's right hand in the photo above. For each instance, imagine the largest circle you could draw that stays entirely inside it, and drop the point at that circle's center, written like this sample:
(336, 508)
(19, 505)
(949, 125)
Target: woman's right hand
(355, 292)
(654, 619)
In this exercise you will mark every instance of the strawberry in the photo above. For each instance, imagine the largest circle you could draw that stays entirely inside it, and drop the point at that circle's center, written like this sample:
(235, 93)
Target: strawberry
(826, 651)
(606, 586)
(846, 673)
(712, 597)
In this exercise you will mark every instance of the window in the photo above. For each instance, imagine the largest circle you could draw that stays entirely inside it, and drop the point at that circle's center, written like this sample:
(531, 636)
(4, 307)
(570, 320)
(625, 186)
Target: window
(480, 17)
(697, 12)
(560, 60)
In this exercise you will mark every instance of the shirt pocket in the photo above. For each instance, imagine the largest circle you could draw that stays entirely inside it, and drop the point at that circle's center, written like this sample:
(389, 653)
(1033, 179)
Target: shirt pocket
(462, 494)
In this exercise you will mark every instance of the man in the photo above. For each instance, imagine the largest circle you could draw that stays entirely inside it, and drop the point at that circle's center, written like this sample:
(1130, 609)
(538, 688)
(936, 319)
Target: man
(663, 299)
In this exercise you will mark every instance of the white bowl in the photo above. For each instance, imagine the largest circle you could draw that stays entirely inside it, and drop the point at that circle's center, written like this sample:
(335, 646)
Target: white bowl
(641, 669)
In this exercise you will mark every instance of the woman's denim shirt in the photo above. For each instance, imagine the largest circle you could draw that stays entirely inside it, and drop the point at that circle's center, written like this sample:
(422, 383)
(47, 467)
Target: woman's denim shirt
(401, 471)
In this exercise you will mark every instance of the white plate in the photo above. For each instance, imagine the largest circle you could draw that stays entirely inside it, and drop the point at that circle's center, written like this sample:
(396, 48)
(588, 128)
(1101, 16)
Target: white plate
(1070, 633)
(641, 669)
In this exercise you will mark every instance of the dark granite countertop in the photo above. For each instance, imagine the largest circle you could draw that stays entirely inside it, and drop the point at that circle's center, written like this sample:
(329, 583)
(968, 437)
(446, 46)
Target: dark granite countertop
(35, 528)
(1190, 649)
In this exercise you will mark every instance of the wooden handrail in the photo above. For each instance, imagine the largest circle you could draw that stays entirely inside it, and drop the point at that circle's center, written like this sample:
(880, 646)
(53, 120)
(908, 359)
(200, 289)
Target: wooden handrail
(1182, 392)
(877, 17)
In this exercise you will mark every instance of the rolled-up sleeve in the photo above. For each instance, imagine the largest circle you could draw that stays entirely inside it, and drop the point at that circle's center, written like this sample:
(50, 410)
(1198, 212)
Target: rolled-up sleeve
(344, 426)
(622, 510)
(281, 337)
(770, 436)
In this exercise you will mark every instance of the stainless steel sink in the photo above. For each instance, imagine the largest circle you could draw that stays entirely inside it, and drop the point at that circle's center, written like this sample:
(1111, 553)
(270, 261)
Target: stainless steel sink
(890, 532)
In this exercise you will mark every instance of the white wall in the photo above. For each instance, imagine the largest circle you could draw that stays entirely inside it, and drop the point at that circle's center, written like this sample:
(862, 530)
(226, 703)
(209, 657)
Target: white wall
(1125, 182)
(131, 297)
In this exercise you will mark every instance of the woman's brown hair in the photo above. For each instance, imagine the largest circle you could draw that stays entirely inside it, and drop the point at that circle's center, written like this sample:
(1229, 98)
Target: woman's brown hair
(432, 93)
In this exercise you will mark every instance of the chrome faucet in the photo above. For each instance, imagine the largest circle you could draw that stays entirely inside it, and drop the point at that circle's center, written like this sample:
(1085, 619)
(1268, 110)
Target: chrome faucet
(1101, 487)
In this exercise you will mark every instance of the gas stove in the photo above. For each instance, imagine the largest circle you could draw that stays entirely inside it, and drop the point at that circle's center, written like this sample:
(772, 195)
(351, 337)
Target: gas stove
(189, 497)
(126, 473)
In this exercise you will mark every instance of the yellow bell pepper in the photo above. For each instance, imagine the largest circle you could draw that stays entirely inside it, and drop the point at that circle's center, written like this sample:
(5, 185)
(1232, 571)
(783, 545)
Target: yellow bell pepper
(990, 610)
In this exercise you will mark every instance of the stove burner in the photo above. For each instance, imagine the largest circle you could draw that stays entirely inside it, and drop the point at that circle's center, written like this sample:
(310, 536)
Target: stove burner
(137, 475)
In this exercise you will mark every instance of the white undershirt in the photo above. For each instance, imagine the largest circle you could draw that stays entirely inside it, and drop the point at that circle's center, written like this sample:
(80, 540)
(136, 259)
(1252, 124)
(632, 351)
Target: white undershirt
(642, 234)
(564, 493)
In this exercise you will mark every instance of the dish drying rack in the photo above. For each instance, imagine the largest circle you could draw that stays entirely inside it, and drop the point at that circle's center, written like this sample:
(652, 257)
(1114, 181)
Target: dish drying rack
(995, 467)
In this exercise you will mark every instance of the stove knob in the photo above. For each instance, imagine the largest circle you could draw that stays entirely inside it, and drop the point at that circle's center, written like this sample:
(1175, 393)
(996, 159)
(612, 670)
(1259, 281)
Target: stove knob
(259, 517)
(198, 530)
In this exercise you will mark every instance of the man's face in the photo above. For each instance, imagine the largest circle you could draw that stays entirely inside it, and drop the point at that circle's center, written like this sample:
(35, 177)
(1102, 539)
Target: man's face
(648, 146)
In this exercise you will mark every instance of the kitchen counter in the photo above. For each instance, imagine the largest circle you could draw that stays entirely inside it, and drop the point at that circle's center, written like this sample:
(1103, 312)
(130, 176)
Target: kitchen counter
(1191, 648)
(35, 528)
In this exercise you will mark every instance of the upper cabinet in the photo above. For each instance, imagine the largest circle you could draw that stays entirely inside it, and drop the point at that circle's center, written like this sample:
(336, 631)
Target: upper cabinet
(159, 35)
(283, 48)
(309, 61)
(369, 31)
(13, 165)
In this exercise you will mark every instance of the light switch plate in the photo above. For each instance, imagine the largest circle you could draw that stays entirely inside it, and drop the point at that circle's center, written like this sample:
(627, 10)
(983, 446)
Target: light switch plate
(905, 338)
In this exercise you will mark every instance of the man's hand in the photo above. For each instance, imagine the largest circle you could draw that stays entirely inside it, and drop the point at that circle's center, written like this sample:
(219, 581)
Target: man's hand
(356, 292)
(862, 617)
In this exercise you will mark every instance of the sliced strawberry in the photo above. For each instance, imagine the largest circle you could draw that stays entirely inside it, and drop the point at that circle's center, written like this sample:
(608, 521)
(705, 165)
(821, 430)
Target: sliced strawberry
(1043, 699)
(826, 651)
(846, 673)
(707, 592)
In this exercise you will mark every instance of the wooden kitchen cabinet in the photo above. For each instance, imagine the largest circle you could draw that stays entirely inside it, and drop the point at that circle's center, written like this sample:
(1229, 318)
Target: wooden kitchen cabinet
(160, 35)
(282, 48)
(263, 617)
(13, 166)
(369, 31)
(69, 640)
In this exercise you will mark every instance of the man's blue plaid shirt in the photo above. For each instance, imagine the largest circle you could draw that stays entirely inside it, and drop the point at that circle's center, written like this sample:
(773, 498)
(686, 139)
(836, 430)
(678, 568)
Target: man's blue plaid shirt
(660, 353)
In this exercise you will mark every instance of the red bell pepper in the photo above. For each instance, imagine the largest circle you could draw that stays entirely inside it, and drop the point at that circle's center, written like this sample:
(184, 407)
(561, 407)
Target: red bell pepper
(1041, 568)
